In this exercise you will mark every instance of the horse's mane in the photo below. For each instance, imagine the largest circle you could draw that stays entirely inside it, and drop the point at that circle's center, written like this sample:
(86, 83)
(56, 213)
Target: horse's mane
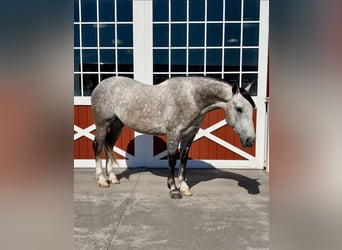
(246, 95)
(243, 92)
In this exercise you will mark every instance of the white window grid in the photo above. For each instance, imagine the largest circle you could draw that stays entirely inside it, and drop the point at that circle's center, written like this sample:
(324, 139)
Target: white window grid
(116, 48)
(170, 73)
(205, 47)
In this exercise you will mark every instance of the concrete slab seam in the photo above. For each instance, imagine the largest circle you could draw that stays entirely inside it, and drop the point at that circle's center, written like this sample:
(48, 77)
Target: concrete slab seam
(123, 211)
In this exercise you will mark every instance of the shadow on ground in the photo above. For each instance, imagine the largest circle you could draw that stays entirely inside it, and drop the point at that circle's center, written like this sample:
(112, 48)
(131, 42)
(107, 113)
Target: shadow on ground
(193, 177)
(251, 185)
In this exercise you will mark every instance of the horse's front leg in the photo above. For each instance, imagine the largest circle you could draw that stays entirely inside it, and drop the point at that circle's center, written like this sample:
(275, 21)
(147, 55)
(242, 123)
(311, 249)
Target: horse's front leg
(172, 146)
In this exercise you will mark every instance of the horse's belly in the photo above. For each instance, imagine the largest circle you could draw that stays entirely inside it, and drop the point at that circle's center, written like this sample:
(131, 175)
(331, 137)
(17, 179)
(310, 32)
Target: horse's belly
(146, 126)
(139, 115)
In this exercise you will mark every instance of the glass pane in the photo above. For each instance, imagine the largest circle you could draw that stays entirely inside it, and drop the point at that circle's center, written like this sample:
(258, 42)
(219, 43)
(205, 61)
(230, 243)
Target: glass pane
(124, 12)
(89, 36)
(250, 59)
(249, 78)
(232, 60)
(107, 33)
(160, 35)
(232, 34)
(178, 35)
(125, 60)
(178, 59)
(159, 78)
(251, 34)
(105, 76)
(125, 35)
(196, 60)
(215, 10)
(77, 85)
(216, 76)
(77, 66)
(231, 78)
(88, 10)
(214, 60)
(107, 60)
(76, 35)
(214, 34)
(233, 10)
(126, 75)
(89, 57)
(160, 60)
(89, 83)
(178, 75)
(196, 9)
(251, 10)
(178, 10)
(76, 11)
(196, 74)
(196, 34)
(160, 10)
(106, 10)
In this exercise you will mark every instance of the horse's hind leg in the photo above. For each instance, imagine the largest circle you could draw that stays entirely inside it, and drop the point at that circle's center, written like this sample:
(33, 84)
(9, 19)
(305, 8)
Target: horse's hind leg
(185, 148)
(111, 137)
(97, 146)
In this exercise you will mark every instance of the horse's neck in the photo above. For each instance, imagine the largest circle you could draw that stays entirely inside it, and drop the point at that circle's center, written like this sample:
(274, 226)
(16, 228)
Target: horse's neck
(214, 95)
(214, 106)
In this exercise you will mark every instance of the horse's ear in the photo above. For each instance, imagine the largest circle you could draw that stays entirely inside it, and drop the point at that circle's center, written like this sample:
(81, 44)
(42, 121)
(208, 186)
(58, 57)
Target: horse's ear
(248, 88)
(235, 88)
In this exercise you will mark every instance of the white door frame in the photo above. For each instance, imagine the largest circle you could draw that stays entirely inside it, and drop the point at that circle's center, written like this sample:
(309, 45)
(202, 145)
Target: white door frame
(143, 72)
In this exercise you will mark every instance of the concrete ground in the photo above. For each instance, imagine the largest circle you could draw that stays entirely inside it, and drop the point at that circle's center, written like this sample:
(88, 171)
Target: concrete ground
(229, 210)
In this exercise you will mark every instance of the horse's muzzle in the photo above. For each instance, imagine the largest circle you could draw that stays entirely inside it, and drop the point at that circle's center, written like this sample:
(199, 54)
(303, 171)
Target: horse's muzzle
(248, 142)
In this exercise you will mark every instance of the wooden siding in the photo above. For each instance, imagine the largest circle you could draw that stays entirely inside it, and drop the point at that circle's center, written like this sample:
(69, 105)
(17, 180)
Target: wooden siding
(202, 148)
(83, 149)
(207, 149)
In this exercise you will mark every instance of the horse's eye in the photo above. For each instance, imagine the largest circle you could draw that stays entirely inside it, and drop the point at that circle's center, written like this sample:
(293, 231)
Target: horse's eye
(238, 109)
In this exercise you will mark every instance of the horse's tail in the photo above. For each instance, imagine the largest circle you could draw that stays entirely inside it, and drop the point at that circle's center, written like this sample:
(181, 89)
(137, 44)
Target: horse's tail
(109, 151)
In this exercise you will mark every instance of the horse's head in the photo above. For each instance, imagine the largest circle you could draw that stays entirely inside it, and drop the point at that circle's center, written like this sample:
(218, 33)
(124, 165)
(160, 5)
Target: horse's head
(239, 115)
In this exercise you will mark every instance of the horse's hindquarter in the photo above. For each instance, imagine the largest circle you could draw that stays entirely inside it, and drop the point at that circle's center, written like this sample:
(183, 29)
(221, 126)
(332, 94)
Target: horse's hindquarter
(137, 105)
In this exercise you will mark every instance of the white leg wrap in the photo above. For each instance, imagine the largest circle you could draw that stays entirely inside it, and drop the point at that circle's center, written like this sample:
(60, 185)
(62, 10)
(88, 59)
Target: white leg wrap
(113, 179)
(98, 170)
(102, 181)
(101, 178)
(184, 188)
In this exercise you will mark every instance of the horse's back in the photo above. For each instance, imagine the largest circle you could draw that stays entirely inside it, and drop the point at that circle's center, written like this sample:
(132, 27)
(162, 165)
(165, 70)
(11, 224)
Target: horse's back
(107, 93)
(115, 82)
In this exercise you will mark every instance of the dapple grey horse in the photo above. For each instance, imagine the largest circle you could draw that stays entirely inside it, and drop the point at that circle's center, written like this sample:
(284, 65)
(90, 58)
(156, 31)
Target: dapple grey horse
(174, 108)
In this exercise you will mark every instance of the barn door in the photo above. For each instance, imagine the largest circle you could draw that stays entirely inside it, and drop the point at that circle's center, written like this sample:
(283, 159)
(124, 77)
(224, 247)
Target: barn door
(159, 39)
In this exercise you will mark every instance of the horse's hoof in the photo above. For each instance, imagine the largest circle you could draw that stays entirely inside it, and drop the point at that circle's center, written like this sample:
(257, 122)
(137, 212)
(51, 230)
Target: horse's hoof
(186, 192)
(103, 184)
(175, 194)
(115, 180)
